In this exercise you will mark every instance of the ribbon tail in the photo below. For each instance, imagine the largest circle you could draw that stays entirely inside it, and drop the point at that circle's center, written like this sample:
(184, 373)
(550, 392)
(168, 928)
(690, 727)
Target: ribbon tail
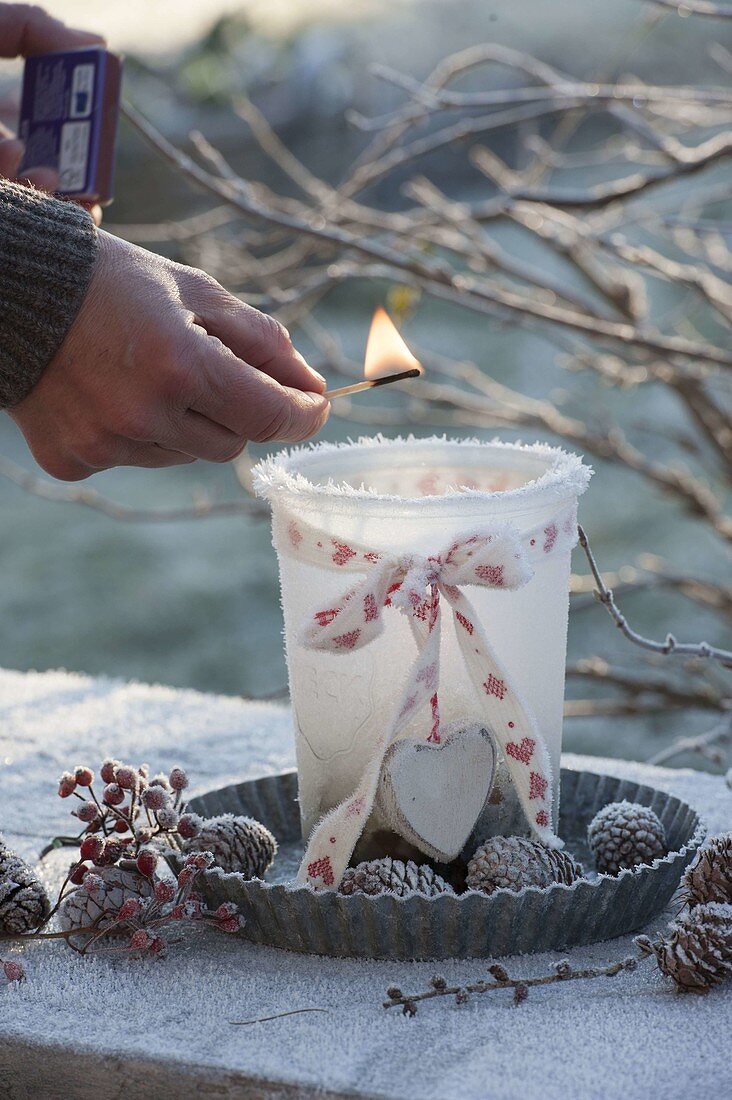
(511, 720)
(333, 839)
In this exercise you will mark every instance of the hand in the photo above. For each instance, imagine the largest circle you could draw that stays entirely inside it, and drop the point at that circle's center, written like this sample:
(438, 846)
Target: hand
(26, 30)
(162, 366)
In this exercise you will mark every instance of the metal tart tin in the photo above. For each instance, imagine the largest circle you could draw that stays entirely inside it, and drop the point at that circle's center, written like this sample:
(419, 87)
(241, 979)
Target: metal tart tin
(467, 925)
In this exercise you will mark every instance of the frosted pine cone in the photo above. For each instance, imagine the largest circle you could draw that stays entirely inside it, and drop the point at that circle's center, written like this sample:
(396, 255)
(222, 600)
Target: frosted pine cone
(391, 876)
(512, 862)
(697, 950)
(710, 876)
(625, 834)
(23, 899)
(236, 843)
(103, 892)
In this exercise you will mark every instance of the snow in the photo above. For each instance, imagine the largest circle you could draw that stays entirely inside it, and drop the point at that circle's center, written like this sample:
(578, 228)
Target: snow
(628, 1037)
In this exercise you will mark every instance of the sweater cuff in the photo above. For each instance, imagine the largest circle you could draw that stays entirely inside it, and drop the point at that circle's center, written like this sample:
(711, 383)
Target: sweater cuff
(47, 254)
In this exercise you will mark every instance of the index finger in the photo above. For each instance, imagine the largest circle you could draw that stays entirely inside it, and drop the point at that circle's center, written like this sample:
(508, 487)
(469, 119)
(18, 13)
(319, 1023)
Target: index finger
(26, 30)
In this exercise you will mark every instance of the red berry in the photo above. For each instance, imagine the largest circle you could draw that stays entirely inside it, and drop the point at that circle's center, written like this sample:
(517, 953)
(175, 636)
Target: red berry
(14, 971)
(178, 779)
(164, 891)
(66, 785)
(84, 777)
(147, 861)
(78, 874)
(113, 794)
(189, 826)
(178, 912)
(91, 847)
(108, 771)
(121, 826)
(129, 910)
(140, 940)
(127, 777)
(157, 945)
(154, 798)
(87, 812)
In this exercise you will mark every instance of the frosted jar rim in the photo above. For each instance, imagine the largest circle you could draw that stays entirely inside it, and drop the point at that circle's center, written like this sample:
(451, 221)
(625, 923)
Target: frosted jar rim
(279, 478)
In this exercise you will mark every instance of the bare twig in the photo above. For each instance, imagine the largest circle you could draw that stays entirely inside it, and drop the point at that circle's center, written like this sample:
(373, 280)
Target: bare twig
(694, 7)
(562, 972)
(706, 744)
(91, 498)
(604, 596)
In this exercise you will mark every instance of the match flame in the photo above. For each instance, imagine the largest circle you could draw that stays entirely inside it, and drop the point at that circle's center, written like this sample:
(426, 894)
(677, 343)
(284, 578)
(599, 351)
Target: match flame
(386, 352)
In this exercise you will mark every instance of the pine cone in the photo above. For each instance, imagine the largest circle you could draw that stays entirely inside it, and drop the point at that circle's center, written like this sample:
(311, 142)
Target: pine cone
(82, 907)
(24, 902)
(709, 878)
(237, 844)
(625, 834)
(391, 876)
(697, 950)
(512, 862)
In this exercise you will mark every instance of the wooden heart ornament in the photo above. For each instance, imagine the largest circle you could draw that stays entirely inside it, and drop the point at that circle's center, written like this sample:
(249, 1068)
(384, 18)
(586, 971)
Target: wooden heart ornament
(432, 795)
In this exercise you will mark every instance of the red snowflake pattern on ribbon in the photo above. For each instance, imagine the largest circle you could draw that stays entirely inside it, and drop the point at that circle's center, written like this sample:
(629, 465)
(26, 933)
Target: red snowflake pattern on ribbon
(464, 622)
(294, 534)
(537, 785)
(493, 574)
(523, 751)
(370, 610)
(551, 535)
(347, 640)
(542, 819)
(325, 618)
(322, 868)
(342, 553)
(494, 686)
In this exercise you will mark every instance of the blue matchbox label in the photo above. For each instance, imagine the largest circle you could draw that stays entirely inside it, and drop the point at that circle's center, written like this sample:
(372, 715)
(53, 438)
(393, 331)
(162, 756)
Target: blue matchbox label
(68, 118)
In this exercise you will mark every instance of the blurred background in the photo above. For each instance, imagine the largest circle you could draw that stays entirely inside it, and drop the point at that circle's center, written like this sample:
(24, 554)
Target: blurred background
(195, 603)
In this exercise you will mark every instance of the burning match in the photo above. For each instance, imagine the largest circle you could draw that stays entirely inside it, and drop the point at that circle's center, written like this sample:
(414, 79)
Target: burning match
(385, 352)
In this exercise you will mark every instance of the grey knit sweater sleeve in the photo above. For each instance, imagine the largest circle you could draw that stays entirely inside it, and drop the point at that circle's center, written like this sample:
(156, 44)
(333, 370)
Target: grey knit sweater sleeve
(47, 251)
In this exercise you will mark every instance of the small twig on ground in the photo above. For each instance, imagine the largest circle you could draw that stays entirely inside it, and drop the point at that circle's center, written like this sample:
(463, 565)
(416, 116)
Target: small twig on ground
(563, 972)
(277, 1016)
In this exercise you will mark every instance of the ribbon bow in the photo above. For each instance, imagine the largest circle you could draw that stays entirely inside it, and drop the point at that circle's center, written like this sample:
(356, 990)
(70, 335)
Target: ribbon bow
(498, 557)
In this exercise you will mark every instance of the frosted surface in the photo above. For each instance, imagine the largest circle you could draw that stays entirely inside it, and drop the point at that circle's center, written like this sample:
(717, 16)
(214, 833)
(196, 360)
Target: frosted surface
(629, 1038)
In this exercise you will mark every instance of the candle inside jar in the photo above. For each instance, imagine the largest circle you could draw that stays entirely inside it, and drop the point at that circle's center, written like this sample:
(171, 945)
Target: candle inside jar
(387, 360)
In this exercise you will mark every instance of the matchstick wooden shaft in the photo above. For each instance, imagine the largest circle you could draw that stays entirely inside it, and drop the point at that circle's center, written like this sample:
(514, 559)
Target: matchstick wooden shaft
(371, 384)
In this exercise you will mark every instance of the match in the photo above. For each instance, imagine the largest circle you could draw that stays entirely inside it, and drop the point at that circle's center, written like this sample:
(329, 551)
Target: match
(371, 383)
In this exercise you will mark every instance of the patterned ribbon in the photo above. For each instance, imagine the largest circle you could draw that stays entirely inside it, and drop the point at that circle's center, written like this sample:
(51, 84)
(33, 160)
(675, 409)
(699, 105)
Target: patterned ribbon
(495, 557)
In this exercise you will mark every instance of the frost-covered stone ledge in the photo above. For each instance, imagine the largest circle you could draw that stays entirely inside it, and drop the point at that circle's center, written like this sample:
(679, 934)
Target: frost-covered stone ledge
(99, 1027)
